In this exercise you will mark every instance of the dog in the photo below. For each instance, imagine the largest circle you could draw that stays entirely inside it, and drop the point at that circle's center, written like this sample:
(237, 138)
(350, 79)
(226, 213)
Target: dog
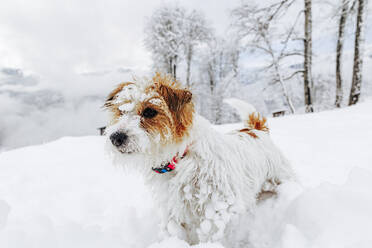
(201, 179)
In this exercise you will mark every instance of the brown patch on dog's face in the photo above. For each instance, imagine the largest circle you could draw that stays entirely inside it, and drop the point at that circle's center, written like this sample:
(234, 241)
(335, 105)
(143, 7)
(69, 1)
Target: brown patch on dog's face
(156, 119)
(112, 105)
(113, 94)
(174, 114)
(179, 104)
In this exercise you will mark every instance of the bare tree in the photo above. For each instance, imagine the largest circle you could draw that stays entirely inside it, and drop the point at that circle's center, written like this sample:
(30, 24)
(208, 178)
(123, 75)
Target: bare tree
(195, 31)
(255, 25)
(217, 70)
(164, 37)
(308, 83)
(358, 55)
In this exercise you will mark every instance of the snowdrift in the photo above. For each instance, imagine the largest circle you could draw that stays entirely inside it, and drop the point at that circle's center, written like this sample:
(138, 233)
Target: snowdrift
(67, 193)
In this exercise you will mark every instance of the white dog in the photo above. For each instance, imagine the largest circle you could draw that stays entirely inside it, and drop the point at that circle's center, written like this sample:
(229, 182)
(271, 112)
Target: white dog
(200, 177)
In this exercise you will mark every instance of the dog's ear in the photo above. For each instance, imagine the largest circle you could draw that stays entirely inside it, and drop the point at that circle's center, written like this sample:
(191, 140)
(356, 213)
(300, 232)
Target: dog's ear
(175, 98)
(179, 102)
(113, 94)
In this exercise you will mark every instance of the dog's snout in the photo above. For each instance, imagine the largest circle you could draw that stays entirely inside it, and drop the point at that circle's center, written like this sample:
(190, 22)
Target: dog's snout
(118, 138)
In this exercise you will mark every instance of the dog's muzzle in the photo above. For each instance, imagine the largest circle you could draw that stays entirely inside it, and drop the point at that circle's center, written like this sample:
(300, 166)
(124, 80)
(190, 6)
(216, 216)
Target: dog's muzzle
(118, 139)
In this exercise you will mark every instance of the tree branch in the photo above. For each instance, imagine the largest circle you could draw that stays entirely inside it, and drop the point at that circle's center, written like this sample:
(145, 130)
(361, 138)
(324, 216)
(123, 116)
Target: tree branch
(293, 74)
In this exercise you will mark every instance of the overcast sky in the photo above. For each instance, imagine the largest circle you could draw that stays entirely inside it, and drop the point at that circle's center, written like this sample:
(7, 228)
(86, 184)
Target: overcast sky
(86, 46)
(58, 59)
(73, 45)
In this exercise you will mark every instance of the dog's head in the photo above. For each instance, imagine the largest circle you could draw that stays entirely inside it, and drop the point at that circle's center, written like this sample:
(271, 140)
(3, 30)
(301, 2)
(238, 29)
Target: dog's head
(149, 115)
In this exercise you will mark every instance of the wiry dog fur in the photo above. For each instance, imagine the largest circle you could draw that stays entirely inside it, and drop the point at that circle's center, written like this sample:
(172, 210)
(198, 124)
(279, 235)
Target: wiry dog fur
(221, 176)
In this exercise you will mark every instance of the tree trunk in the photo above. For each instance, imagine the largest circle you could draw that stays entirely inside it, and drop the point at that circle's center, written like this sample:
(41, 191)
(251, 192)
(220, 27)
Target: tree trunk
(170, 64)
(211, 79)
(175, 67)
(213, 107)
(188, 64)
(308, 57)
(358, 56)
(284, 88)
(172, 67)
(235, 62)
(339, 50)
(217, 103)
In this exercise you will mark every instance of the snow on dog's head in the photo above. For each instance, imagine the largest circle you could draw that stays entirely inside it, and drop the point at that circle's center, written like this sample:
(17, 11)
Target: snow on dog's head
(148, 115)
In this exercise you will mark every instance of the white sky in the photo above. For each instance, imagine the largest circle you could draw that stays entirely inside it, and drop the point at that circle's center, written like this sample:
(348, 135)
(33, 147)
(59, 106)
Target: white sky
(60, 40)
(77, 48)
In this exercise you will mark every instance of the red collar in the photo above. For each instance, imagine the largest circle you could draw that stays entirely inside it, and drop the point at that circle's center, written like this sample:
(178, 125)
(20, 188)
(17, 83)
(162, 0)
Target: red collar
(168, 167)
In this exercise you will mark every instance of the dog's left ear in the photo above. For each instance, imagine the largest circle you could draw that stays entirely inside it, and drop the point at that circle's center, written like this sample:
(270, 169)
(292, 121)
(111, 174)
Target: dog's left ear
(175, 98)
(112, 95)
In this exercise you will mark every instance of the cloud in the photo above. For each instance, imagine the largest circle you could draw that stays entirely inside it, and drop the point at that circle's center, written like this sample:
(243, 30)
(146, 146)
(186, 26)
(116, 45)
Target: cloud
(124, 70)
(41, 116)
(15, 76)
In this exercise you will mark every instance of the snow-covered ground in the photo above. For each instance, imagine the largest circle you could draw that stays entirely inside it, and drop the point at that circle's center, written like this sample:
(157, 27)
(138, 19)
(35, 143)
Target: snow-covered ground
(67, 194)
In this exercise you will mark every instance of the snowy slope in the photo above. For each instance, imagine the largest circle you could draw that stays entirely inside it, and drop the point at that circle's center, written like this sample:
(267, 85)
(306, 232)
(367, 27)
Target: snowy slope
(67, 194)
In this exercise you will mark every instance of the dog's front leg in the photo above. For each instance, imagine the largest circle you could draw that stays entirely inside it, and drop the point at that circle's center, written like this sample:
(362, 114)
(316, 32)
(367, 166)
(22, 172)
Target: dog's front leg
(211, 230)
(170, 228)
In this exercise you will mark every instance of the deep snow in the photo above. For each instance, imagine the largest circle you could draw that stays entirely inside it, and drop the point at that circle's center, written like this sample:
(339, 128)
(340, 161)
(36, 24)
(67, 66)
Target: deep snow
(68, 194)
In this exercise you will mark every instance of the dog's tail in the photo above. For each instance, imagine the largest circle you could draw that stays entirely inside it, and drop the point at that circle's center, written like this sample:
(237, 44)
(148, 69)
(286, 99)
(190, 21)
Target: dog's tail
(248, 114)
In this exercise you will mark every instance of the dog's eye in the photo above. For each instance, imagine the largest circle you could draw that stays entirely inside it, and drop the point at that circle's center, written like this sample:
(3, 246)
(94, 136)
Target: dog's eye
(149, 113)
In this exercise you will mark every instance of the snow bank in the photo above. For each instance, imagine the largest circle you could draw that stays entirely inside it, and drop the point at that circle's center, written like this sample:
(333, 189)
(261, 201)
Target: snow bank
(4, 211)
(67, 194)
(326, 216)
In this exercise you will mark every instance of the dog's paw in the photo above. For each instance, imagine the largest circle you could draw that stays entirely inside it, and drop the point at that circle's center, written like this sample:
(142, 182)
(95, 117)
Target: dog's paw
(176, 230)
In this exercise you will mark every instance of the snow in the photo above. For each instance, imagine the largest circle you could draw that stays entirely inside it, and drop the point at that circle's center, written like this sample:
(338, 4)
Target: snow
(176, 243)
(68, 194)
(155, 101)
(127, 107)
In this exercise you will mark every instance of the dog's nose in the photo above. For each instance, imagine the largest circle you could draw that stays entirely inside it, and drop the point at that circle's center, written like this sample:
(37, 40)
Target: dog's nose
(118, 138)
